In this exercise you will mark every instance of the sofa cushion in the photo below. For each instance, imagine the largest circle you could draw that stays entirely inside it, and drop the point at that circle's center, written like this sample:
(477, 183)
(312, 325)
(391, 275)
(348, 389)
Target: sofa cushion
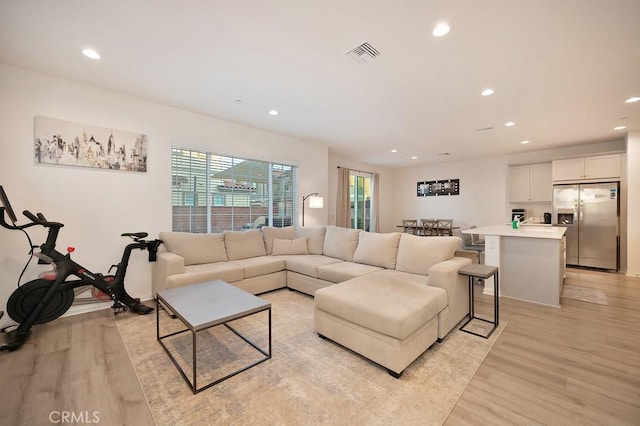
(343, 271)
(340, 242)
(417, 254)
(195, 248)
(258, 266)
(315, 237)
(308, 264)
(269, 233)
(295, 246)
(384, 302)
(244, 244)
(377, 249)
(224, 271)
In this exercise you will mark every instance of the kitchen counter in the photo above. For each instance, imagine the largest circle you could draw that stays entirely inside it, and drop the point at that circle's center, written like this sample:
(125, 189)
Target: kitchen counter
(525, 231)
(531, 260)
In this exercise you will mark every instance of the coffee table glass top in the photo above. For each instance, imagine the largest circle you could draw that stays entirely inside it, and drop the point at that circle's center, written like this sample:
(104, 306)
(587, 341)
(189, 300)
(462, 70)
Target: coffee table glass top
(204, 305)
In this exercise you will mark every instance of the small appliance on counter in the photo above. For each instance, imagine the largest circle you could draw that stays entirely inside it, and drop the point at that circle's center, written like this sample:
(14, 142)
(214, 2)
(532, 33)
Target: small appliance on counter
(547, 218)
(518, 213)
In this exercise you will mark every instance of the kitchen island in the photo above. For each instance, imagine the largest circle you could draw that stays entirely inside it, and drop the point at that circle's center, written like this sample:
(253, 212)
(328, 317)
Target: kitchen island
(531, 261)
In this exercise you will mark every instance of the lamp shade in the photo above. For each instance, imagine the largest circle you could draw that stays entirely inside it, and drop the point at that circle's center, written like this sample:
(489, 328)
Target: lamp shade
(316, 202)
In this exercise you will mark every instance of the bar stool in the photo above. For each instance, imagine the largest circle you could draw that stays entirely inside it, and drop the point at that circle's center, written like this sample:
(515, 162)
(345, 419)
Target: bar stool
(481, 271)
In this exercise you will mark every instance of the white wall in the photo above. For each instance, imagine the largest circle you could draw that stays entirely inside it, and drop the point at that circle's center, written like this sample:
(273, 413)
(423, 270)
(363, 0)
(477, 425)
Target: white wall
(96, 206)
(633, 203)
(483, 198)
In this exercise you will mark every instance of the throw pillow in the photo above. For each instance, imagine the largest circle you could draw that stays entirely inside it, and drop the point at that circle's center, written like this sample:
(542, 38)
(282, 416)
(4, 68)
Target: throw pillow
(297, 246)
(270, 233)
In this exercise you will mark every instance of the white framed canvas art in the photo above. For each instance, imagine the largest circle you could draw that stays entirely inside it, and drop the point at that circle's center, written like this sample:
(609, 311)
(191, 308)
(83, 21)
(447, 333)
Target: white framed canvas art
(72, 144)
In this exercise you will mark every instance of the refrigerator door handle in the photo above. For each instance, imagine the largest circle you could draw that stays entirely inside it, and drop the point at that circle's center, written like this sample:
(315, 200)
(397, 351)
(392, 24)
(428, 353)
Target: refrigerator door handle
(581, 211)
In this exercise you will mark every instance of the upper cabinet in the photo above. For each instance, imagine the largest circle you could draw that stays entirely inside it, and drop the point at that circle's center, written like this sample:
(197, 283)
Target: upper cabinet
(587, 168)
(530, 183)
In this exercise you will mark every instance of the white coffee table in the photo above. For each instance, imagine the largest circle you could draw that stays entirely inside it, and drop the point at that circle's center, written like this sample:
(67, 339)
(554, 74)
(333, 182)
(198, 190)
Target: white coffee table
(206, 305)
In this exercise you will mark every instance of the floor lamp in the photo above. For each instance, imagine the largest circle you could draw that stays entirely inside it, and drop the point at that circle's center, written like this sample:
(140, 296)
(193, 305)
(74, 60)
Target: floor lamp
(315, 202)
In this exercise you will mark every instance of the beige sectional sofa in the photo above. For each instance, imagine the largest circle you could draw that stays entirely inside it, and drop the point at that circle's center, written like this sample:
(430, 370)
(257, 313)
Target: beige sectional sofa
(388, 297)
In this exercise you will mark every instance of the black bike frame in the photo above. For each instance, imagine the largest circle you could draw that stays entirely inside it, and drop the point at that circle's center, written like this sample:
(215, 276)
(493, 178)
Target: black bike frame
(67, 268)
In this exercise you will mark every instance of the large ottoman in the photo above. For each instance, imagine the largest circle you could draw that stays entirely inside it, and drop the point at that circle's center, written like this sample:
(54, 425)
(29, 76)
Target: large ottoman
(382, 315)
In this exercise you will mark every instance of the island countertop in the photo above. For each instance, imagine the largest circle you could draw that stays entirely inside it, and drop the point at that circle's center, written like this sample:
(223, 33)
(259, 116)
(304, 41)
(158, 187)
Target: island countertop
(526, 231)
(531, 261)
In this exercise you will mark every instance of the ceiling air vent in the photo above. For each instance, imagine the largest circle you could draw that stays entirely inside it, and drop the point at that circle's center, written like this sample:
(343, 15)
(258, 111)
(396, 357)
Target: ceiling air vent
(485, 129)
(364, 53)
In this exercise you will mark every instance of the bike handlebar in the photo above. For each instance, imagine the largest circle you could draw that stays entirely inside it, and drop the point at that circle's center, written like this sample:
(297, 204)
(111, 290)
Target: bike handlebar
(40, 220)
(31, 216)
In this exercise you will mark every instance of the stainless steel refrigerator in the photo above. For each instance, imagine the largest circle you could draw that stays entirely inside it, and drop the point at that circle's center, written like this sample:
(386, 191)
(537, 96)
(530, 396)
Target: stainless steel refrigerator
(590, 211)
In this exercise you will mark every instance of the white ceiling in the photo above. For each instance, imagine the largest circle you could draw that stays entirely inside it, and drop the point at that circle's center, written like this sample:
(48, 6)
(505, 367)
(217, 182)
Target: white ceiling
(561, 69)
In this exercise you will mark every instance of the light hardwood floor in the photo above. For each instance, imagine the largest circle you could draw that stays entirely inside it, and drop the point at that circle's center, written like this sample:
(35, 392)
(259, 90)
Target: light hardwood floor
(75, 366)
(579, 364)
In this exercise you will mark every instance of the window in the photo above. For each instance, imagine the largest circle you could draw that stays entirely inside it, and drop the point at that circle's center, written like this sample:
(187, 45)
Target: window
(213, 193)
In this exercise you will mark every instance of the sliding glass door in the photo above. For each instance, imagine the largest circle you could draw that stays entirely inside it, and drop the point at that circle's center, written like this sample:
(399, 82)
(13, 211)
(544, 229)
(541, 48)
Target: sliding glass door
(360, 195)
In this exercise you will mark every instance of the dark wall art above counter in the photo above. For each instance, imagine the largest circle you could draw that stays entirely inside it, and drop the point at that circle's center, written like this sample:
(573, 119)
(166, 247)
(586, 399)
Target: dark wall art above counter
(435, 188)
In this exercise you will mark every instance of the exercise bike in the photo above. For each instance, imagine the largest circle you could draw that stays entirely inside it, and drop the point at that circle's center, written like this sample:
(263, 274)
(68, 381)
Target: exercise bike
(47, 298)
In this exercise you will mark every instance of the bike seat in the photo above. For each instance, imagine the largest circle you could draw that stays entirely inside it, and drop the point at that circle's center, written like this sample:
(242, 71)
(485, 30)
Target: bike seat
(134, 234)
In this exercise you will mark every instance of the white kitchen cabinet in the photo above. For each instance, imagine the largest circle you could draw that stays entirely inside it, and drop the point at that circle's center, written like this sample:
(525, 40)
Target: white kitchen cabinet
(530, 183)
(587, 168)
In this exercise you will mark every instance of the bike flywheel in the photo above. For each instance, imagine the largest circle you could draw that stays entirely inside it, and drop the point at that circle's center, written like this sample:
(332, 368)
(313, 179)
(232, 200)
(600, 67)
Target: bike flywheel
(25, 298)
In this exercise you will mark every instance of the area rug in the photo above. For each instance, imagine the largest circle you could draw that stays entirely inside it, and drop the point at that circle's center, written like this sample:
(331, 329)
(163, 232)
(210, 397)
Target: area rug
(308, 380)
(584, 294)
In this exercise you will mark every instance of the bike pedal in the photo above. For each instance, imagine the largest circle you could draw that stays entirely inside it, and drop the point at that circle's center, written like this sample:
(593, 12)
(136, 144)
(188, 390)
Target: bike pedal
(118, 308)
(8, 329)
(141, 309)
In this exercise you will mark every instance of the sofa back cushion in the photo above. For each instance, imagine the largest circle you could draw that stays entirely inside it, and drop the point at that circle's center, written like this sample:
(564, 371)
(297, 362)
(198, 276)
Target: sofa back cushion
(417, 254)
(315, 237)
(195, 248)
(295, 246)
(269, 233)
(244, 244)
(377, 249)
(340, 243)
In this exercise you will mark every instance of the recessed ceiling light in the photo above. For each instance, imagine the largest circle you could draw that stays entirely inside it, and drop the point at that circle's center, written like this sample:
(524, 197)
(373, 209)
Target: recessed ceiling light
(394, 150)
(487, 92)
(620, 128)
(444, 154)
(238, 101)
(633, 99)
(524, 142)
(441, 29)
(509, 124)
(414, 158)
(273, 112)
(90, 53)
